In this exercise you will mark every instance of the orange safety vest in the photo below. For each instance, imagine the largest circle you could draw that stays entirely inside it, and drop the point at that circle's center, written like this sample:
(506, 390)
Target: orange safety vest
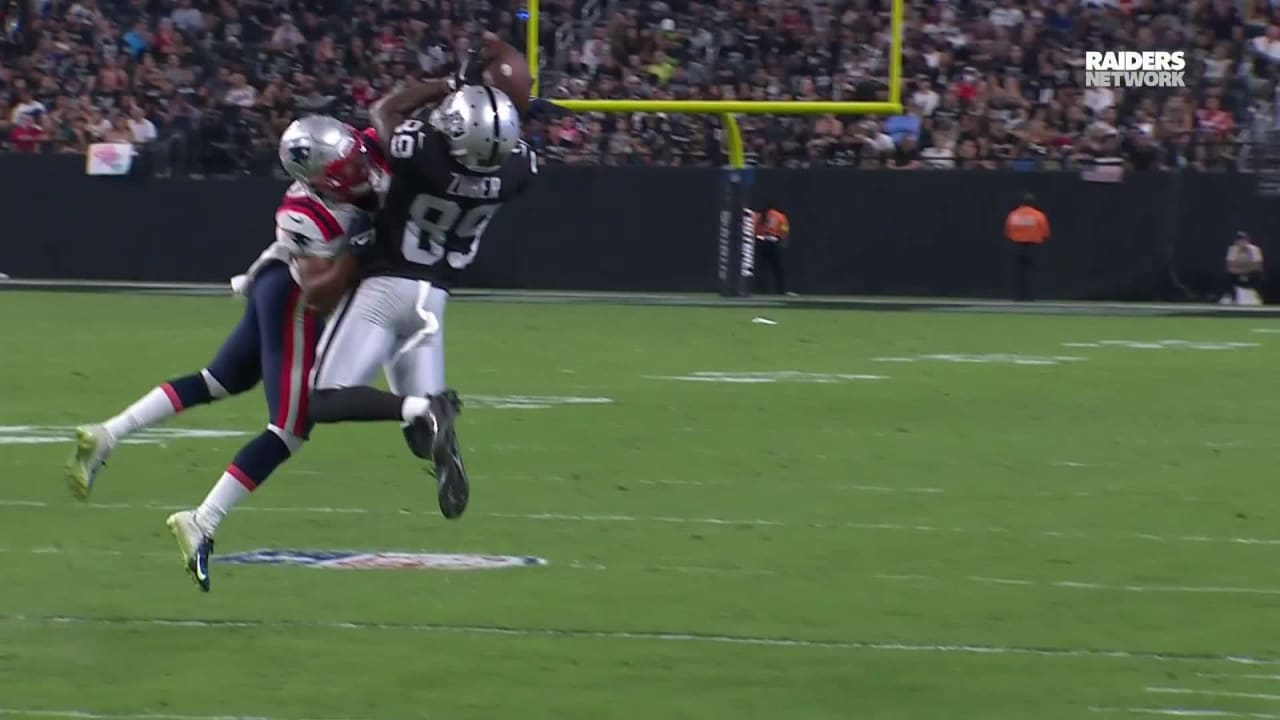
(773, 226)
(1026, 225)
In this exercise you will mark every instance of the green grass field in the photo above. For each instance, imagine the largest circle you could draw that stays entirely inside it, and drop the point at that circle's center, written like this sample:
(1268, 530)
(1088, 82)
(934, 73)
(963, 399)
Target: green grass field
(1090, 536)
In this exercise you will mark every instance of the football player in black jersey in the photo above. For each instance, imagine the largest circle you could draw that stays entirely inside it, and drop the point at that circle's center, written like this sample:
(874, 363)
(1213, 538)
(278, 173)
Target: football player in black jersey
(453, 165)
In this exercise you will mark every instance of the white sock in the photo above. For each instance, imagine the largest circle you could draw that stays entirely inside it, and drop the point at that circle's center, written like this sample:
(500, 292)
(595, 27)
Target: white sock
(414, 407)
(225, 495)
(145, 412)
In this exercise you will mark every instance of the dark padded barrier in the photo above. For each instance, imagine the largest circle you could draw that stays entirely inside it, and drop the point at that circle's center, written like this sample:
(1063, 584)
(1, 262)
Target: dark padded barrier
(1153, 236)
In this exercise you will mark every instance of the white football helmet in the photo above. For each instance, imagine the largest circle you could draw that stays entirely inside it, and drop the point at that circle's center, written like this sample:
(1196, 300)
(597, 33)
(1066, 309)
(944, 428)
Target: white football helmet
(328, 156)
(481, 125)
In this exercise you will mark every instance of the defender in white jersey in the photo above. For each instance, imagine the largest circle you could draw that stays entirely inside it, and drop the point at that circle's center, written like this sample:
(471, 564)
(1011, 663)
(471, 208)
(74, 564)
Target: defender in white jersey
(339, 174)
(452, 168)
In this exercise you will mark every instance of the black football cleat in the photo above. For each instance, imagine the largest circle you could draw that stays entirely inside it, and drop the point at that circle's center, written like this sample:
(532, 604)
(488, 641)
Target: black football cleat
(452, 488)
(419, 435)
(425, 436)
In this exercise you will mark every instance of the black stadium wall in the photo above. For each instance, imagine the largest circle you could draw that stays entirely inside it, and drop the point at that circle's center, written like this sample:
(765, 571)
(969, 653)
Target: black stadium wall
(1152, 236)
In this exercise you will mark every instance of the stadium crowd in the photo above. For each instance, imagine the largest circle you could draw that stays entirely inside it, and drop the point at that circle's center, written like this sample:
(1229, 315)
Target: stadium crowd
(205, 86)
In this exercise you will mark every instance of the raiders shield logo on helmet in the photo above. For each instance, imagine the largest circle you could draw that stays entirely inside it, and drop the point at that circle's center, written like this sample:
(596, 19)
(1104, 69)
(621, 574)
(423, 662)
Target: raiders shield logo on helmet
(455, 126)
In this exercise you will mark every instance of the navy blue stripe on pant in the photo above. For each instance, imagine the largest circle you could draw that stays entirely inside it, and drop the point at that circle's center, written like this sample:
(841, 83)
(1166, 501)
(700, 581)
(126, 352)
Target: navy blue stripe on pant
(275, 342)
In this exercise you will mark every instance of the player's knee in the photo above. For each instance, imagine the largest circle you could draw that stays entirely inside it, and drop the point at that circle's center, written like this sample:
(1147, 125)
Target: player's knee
(291, 441)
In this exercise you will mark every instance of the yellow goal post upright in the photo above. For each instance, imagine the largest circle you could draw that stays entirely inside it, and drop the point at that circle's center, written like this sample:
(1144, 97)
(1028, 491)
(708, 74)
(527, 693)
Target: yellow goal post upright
(735, 264)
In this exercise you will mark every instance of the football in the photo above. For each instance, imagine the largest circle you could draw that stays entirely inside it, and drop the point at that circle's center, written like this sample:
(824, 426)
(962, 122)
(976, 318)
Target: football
(508, 71)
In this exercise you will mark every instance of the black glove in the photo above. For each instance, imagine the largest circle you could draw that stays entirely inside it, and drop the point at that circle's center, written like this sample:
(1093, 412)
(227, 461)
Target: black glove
(362, 234)
(471, 69)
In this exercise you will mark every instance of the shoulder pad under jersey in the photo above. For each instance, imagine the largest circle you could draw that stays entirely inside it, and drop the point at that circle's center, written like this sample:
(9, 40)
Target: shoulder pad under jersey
(315, 227)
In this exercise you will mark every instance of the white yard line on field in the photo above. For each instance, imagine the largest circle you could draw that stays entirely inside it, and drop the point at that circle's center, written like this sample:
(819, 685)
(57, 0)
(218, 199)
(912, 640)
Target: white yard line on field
(829, 486)
(1237, 676)
(1270, 697)
(1001, 581)
(1084, 585)
(1186, 712)
(163, 506)
(664, 519)
(732, 522)
(642, 636)
(908, 527)
(88, 552)
(93, 715)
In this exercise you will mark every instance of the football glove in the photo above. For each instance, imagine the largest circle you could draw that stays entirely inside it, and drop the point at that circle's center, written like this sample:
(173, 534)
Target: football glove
(471, 69)
(362, 234)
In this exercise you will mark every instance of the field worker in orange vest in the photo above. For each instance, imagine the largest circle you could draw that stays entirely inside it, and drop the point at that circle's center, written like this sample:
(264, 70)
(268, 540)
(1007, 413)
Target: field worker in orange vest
(772, 231)
(1027, 228)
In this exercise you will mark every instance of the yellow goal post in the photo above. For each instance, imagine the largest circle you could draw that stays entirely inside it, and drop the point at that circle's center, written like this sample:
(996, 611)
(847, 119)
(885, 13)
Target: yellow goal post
(736, 236)
(727, 109)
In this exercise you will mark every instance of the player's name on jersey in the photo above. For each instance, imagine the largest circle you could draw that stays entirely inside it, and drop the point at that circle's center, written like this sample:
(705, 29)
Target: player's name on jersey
(470, 186)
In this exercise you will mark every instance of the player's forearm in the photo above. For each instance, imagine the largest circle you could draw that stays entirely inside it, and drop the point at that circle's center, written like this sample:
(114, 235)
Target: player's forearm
(395, 108)
(324, 284)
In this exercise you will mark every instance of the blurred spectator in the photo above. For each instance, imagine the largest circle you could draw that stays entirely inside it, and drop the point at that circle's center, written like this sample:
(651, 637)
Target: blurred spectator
(287, 37)
(925, 97)
(1141, 151)
(141, 129)
(241, 93)
(1212, 118)
(900, 127)
(1267, 46)
(120, 131)
(989, 83)
(27, 134)
(186, 18)
(97, 125)
(26, 105)
(138, 39)
(1244, 272)
(74, 138)
(940, 155)
(907, 155)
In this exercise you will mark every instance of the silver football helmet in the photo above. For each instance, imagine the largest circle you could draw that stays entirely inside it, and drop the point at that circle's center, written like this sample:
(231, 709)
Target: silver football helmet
(328, 156)
(481, 125)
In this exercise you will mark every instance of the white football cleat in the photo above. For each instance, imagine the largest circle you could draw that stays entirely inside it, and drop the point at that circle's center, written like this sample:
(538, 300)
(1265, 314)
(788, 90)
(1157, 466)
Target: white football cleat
(196, 545)
(93, 445)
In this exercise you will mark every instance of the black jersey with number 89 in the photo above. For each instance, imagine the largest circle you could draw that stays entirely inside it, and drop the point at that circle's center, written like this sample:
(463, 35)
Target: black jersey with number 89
(436, 211)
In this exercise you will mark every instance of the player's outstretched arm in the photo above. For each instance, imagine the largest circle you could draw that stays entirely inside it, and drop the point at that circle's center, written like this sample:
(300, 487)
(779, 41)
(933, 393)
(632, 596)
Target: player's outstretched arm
(494, 63)
(389, 112)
